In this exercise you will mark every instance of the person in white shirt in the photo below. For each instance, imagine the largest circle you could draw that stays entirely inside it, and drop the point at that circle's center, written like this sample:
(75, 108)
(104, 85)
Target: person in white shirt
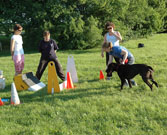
(111, 36)
(16, 49)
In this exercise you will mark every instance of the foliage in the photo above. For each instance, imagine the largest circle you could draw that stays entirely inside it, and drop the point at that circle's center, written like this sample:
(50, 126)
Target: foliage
(5, 42)
(80, 34)
(80, 24)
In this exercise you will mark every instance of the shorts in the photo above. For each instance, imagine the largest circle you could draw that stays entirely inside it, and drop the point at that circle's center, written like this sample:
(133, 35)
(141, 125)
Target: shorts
(131, 60)
(19, 63)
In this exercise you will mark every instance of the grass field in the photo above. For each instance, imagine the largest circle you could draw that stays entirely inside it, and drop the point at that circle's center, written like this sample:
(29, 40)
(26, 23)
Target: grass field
(95, 107)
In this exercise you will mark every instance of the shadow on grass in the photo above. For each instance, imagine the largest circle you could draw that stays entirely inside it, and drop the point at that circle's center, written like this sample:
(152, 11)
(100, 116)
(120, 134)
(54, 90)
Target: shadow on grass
(90, 81)
(6, 53)
(80, 51)
(7, 89)
(72, 94)
(42, 95)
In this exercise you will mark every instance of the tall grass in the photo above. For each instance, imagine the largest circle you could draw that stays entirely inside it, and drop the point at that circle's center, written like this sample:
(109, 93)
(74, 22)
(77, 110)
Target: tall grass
(94, 107)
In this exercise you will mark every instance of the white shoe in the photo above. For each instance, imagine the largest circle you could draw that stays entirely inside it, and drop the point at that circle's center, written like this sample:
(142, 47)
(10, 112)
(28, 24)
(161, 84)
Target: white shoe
(126, 83)
(133, 83)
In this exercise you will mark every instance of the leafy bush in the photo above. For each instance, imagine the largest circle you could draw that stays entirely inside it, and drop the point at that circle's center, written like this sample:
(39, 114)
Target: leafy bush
(80, 24)
(5, 41)
(80, 35)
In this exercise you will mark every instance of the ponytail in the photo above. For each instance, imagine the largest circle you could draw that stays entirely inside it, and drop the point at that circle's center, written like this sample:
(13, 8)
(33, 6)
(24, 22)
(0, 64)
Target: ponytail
(107, 45)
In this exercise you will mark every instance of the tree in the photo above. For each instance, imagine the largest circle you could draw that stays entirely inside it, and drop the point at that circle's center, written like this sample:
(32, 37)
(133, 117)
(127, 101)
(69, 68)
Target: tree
(80, 24)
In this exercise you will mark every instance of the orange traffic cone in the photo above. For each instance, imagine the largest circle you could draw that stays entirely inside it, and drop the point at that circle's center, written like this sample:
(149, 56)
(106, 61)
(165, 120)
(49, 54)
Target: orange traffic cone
(69, 81)
(1, 102)
(101, 75)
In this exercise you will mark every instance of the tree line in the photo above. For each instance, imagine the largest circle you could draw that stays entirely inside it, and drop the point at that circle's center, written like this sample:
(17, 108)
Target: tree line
(79, 24)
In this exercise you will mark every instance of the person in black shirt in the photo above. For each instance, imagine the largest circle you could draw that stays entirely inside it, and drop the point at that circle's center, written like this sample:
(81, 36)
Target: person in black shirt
(47, 48)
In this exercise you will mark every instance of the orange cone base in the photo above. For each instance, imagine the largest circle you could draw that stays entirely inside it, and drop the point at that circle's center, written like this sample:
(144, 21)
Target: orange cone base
(12, 103)
(72, 87)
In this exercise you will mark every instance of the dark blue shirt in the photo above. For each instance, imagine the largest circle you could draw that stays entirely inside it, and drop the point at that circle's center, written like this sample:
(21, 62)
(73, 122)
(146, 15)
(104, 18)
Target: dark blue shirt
(116, 52)
(47, 49)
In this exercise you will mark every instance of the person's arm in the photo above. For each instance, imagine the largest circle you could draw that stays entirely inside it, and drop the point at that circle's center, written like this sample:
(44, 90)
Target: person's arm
(55, 46)
(117, 34)
(12, 47)
(110, 59)
(102, 51)
(125, 55)
(40, 46)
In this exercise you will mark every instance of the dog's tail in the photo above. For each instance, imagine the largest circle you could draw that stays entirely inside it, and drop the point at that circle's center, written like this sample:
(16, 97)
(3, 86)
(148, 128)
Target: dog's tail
(150, 69)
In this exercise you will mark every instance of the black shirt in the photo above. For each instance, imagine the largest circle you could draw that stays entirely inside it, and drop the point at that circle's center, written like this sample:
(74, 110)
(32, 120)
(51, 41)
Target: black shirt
(47, 49)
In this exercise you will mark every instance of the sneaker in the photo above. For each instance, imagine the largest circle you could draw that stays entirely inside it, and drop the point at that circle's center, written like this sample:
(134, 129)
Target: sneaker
(126, 83)
(108, 78)
(133, 83)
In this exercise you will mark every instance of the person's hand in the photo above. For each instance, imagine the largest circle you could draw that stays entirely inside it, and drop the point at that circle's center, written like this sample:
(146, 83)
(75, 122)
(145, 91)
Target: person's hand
(112, 30)
(106, 67)
(102, 55)
(12, 56)
(122, 62)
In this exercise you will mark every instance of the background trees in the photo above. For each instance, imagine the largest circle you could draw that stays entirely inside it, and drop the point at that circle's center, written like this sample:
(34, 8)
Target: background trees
(80, 24)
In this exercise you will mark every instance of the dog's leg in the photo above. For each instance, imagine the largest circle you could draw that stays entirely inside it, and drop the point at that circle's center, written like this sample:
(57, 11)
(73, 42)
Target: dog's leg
(147, 82)
(122, 83)
(130, 85)
(154, 82)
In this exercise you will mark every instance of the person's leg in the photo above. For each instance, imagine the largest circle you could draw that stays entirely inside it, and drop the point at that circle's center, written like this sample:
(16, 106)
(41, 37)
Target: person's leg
(22, 63)
(133, 82)
(107, 58)
(131, 61)
(59, 69)
(41, 68)
(17, 64)
(126, 83)
(117, 60)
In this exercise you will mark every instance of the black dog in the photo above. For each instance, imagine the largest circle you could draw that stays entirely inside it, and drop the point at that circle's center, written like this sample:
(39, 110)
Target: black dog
(130, 71)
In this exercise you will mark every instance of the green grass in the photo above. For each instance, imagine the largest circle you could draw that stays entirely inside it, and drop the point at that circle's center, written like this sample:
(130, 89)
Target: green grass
(94, 107)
